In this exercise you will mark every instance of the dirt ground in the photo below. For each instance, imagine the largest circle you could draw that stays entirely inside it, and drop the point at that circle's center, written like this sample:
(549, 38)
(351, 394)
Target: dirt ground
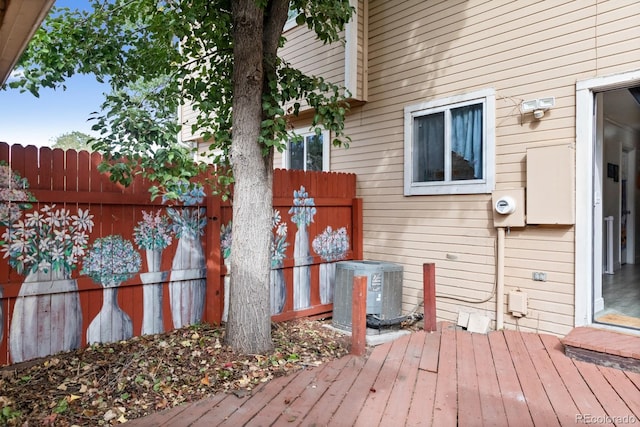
(108, 384)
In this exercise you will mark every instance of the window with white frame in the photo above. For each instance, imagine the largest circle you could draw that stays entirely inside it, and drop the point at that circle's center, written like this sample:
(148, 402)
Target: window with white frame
(449, 145)
(310, 152)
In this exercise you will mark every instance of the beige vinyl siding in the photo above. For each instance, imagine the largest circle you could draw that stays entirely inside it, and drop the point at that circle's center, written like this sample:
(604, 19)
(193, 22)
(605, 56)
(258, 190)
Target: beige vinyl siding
(188, 117)
(308, 54)
(420, 51)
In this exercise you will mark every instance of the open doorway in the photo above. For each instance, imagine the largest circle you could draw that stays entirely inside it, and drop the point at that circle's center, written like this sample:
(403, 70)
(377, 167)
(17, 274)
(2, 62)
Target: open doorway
(617, 184)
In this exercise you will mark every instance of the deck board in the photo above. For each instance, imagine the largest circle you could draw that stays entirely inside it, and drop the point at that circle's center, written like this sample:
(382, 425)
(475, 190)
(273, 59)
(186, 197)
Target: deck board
(314, 391)
(198, 414)
(578, 388)
(634, 377)
(431, 353)
(445, 407)
(376, 402)
(532, 387)
(562, 402)
(421, 408)
(261, 396)
(602, 390)
(350, 407)
(513, 397)
(626, 389)
(469, 407)
(493, 413)
(321, 413)
(279, 405)
(445, 378)
(397, 408)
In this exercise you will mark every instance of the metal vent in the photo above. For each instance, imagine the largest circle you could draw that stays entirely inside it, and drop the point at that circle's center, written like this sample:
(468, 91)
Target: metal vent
(384, 290)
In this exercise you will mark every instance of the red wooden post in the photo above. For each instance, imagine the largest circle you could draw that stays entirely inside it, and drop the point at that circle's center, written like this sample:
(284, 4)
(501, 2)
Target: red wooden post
(429, 291)
(359, 316)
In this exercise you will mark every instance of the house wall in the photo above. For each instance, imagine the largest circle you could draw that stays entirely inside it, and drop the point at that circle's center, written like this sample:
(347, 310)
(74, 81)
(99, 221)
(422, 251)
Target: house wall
(312, 55)
(187, 119)
(419, 51)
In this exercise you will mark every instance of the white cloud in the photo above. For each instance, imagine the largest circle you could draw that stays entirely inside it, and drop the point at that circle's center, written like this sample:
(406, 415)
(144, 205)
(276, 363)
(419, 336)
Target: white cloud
(16, 74)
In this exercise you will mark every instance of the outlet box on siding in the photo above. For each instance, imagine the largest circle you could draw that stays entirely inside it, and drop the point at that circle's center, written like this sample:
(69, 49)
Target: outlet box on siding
(517, 303)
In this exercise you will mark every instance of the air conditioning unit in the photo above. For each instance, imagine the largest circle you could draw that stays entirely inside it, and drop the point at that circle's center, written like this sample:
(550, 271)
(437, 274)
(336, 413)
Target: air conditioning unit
(384, 290)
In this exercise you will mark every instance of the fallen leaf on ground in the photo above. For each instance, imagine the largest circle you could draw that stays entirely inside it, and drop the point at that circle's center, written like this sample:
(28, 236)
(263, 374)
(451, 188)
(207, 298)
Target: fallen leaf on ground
(108, 384)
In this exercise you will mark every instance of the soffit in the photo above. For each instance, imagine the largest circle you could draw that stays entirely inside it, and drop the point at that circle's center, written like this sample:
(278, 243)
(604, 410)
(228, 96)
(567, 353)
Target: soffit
(19, 19)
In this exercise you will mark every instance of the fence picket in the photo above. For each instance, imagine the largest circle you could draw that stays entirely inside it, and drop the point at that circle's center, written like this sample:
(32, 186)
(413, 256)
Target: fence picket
(4, 152)
(84, 163)
(45, 170)
(71, 171)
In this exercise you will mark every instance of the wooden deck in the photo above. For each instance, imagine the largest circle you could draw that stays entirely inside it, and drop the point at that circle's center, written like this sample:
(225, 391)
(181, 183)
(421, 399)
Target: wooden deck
(446, 378)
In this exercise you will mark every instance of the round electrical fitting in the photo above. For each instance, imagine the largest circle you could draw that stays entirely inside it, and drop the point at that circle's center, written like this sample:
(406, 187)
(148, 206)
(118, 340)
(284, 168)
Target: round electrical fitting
(505, 205)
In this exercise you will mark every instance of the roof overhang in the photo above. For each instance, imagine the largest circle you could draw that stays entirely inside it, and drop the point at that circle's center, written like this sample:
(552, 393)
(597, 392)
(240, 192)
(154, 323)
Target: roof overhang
(19, 20)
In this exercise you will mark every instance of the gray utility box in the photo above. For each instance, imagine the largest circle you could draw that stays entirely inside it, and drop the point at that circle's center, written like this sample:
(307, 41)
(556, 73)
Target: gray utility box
(384, 290)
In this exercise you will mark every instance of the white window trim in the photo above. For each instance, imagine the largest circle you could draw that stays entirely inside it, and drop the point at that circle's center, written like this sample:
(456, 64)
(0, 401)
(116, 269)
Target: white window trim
(351, 52)
(291, 23)
(326, 149)
(486, 185)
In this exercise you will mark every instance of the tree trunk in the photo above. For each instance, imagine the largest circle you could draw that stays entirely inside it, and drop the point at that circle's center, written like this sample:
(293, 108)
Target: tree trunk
(249, 324)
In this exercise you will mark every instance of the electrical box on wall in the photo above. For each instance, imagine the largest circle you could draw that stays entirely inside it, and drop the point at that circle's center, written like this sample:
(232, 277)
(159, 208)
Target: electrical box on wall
(508, 208)
(517, 304)
(551, 185)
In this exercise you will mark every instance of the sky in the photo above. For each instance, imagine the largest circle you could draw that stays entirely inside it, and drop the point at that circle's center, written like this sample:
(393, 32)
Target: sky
(27, 120)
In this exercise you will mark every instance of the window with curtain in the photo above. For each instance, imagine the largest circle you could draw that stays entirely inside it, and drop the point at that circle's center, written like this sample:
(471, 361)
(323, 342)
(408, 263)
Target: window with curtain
(310, 152)
(449, 145)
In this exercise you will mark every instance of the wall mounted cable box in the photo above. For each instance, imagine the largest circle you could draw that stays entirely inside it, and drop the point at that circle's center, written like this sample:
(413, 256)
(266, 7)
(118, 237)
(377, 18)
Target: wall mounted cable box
(517, 303)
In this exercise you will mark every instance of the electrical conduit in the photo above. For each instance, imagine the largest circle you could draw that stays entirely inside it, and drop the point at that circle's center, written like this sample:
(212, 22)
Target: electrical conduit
(500, 281)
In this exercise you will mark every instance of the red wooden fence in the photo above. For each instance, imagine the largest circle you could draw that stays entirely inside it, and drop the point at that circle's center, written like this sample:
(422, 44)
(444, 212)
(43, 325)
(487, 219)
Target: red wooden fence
(32, 322)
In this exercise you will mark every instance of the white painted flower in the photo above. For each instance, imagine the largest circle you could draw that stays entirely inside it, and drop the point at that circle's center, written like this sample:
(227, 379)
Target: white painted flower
(83, 221)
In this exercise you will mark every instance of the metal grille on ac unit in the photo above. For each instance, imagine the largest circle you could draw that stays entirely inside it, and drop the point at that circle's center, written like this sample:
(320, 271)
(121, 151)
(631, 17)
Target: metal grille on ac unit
(384, 290)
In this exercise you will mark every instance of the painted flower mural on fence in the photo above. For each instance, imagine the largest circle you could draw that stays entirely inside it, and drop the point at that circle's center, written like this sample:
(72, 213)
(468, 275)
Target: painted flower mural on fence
(14, 198)
(226, 239)
(46, 246)
(225, 247)
(13, 194)
(278, 240)
(110, 261)
(331, 246)
(302, 214)
(153, 232)
(47, 240)
(278, 293)
(188, 273)
(153, 235)
(303, 208)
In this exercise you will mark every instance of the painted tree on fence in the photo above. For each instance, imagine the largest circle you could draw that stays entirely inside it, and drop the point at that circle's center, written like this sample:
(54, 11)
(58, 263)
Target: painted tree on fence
(222, 57)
